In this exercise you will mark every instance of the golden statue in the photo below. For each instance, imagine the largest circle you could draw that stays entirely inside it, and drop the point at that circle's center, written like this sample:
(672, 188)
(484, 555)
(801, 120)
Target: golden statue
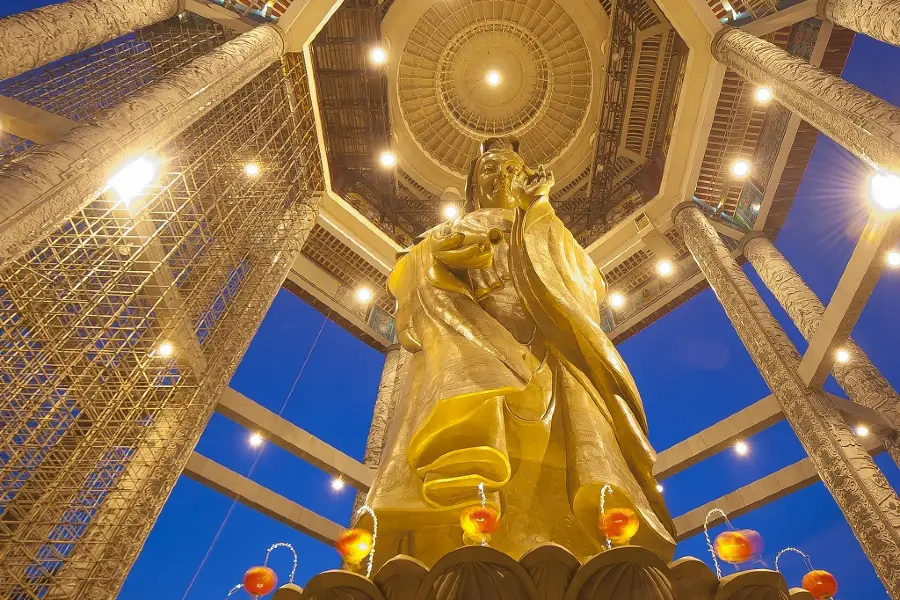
(511, 383)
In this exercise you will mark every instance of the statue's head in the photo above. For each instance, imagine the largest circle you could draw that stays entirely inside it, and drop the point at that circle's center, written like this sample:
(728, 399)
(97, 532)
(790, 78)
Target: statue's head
(490, 178)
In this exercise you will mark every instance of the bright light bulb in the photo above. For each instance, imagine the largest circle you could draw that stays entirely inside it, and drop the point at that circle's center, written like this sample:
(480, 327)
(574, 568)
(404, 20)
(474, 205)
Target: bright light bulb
(493, 78)
(664, 268)
(378, 55)
(616, 300)
(842, 356)
(893, 258)
(255, 440)
(885, 190)
(251, 169)
(763, 95)
(659, 488)
(862, 431)
(740, 168)
(165, 350)
(363, 294)
(742, 448)
(337, 484)
(450, 211)
(388, 159)
(131, 179)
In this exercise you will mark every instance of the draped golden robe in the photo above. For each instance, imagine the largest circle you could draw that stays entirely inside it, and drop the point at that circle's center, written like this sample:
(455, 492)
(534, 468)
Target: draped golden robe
(511, 382)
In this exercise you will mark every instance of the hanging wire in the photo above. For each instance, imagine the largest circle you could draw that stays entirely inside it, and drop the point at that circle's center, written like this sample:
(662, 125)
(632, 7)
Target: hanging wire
(289, 547)
(255, 462)
(709, 542)
(234, 589)
(798, 551)
(483, 498)
(606, 488)
(365, 508)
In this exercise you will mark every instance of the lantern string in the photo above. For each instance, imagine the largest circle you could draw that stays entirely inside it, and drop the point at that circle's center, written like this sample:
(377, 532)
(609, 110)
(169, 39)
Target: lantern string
(234, 589)
(798, 551)
(289, 547)
(365, 508)
(709, 542)
(483, 498)
(606, 488)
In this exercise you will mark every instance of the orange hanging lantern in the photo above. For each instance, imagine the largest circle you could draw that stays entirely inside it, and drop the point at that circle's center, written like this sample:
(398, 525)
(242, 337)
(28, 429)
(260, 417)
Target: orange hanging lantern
(259, 581)
(619, 525)
(821, 584)
(738, 547)
(354, 545)
(478, 521)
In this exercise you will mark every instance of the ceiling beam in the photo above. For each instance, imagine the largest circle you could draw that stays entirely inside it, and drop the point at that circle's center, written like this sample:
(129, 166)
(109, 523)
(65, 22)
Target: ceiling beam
(32, 123)
(219, 14)
(782, 18)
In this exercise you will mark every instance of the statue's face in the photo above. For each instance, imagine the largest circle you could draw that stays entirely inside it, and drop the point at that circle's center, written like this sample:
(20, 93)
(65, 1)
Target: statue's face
(494, 173)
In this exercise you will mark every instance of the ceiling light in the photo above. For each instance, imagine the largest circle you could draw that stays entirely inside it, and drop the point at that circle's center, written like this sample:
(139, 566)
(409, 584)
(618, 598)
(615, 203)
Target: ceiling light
(378, 55)
(885, 190)
(363, 294)
(862, 431)
(165, 350)
(664, 268)
(337, 484)
(741, 448)
(255, 440)
(388, 159)
(493, 78)
(740, 168)
(450, 211)
(756, 206)
(131, 179)
(842, 356)
(763, 95)
(251, 169)
(659, 488)
(616, 300)
(893, 258)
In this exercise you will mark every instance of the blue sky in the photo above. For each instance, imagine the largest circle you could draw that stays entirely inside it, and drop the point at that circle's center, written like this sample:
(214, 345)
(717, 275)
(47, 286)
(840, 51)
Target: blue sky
(690, 366)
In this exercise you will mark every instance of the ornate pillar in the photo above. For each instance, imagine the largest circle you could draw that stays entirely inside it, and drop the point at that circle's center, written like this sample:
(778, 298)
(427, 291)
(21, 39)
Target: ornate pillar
(42, 189)
(879, 19)
(862, 123)
(37, 37)
(392, 376)
(857, 485)
(859, 378)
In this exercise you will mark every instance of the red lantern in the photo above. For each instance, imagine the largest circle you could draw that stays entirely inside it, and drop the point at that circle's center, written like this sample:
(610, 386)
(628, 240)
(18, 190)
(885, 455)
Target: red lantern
(738, 547)
(259, 581)
(619, 525)
(479, 520)
(821, 584)
(354, 545)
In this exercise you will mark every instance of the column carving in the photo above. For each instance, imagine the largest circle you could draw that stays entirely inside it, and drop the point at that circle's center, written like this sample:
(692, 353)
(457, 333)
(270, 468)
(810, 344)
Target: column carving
(37, 37)
(861, 491)
(862, 123)
(44, 188)
(879, 19)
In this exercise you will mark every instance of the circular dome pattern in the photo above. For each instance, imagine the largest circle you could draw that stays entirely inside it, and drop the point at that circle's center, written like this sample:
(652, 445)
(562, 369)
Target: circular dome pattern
(545, 78)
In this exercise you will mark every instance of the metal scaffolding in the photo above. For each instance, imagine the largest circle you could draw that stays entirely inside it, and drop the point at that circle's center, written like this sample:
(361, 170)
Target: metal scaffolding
(96, 422)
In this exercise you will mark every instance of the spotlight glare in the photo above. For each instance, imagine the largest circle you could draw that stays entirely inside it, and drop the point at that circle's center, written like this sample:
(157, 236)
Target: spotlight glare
(740, 168)
(862, 431)
(165, 350)
(493, 78)
(131, 179)
(885, 190)
(741, 448)
(364, 294)
(659, 488)
(450, 211)
(756, 206)
(378, 55)
(893, 258)
(616, 300)
(255, 440)
(763, 95)
(664, 268)
(251, 169)
(337, 484)
(842, 356)
(388, 159)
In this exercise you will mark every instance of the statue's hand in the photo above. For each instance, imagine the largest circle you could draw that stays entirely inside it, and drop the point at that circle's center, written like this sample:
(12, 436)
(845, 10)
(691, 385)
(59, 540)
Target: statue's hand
(530, 185)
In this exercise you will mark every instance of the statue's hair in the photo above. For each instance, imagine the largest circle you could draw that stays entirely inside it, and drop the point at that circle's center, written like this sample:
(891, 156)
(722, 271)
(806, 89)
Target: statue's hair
(491, 143)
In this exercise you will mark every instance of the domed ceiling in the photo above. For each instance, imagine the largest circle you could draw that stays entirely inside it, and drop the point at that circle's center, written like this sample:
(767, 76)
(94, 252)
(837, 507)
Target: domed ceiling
(590, 91)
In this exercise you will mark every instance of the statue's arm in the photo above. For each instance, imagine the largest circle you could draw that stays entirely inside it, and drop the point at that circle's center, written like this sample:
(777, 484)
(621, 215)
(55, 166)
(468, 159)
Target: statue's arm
(460, 250)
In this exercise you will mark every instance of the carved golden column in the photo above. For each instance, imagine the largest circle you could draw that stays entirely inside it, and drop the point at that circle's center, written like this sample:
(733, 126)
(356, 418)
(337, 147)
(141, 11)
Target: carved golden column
(862, 123)
(42, 189)
(865, 497)
(37, 37)
(859, 378)
(879, 19)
